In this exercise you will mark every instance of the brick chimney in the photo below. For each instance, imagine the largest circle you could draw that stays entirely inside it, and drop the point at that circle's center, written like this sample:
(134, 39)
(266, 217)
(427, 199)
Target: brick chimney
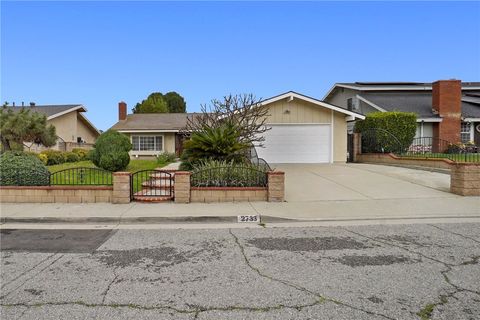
(447, 102)
(122, 111)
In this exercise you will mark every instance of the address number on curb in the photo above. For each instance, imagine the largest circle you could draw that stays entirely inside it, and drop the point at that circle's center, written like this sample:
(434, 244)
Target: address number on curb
(248, 218)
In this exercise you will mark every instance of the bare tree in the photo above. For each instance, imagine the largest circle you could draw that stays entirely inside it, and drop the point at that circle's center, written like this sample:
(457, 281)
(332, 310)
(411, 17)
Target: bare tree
(245, 111)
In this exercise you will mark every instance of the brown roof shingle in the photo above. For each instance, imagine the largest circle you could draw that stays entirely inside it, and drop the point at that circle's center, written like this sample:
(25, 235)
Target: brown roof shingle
(153, 121)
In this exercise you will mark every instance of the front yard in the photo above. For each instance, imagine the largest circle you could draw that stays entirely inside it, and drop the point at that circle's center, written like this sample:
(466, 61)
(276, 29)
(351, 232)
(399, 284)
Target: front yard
(133, 166)
(74, 175)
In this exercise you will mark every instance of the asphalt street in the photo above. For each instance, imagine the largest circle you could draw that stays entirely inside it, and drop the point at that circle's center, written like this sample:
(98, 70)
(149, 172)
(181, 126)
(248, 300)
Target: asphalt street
(418, 271)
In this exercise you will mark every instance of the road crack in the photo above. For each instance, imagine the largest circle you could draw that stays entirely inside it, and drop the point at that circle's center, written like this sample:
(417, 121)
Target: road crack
(455, 233)
(320, 298)
(33, 276)
(426, 312)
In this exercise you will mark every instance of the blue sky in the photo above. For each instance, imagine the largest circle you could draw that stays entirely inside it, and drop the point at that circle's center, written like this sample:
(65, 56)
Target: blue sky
(99, 53)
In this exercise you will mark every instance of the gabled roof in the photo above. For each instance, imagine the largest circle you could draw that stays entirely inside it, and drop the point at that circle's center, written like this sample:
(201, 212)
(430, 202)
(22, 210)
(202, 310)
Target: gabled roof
(417, 102)
(51, 111)
(320, 103)
(54, 111)
(395, 86)
(166, 122)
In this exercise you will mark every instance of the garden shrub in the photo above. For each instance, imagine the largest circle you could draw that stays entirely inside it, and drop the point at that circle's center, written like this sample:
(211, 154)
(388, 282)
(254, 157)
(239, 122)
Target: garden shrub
(401, 125)
(22, 169)
(54, 157)
(166, 157)
(81, 153)
(221, 173)
(111, 151)
(469, 147)
(71, 157)
(219, 143)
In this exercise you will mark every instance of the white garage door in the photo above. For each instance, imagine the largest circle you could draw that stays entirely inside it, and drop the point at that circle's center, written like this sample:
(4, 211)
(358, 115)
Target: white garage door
(305, 143)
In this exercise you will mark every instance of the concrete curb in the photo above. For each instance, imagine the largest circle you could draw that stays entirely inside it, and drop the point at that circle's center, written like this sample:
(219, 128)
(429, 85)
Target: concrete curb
(209, 220)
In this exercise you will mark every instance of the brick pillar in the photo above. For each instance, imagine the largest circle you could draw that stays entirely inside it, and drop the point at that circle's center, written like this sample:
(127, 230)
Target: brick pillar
(357, 145)
(465, 179)
(182, 186)
(121, 187)
(276, 186)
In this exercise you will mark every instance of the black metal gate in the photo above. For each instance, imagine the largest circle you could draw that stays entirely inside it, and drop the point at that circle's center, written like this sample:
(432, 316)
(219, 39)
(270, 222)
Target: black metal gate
(152, 185)
(350, 147)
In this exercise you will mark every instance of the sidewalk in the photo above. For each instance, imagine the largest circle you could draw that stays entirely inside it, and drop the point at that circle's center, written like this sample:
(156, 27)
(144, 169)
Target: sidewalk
(164, 213)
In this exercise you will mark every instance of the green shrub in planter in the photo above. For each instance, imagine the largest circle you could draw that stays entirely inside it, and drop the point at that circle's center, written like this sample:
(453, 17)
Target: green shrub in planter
(81, 153)
(111, 151)
(215, 173)
(22, 169)
(54, 157)
(71, 157)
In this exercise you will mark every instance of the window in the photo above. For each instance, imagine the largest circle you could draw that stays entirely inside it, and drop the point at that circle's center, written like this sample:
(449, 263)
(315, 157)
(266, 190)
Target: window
(147, 143)
(465, 130)
(350, 104)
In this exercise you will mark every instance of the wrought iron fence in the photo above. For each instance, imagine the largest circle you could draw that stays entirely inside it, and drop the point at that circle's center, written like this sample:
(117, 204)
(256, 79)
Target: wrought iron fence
(229, 176)
(82, 176)
(429, 147)
(151, 183)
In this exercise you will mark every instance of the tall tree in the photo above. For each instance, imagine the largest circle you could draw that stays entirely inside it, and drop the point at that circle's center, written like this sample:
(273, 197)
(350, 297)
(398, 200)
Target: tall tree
(16, 128)
(244, 111)
(175, 102)
(155, 103)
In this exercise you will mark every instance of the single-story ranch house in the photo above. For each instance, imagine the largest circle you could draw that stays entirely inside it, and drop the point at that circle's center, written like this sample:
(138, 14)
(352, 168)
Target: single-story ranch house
(73, 128)
(303, 130)
(446, 109)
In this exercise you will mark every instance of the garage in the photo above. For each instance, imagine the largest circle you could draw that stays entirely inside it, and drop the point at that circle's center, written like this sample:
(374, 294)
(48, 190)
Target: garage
(297, 143)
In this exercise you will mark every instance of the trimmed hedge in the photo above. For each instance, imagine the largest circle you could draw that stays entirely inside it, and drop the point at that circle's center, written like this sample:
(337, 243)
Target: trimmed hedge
(111, 151)
(22, 169)
(401, 125)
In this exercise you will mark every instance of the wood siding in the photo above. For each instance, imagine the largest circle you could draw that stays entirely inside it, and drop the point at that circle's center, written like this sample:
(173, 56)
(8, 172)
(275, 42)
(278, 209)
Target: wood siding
(297, 111)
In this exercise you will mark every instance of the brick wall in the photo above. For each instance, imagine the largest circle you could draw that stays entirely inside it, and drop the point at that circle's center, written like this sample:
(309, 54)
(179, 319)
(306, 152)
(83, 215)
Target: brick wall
(227, 194)
(56, 194)
(387, 158)
(465, 179)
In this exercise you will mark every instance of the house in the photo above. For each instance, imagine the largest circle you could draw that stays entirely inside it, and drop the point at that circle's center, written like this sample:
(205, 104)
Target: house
(73, 128)
(446, 109)
(303, 130)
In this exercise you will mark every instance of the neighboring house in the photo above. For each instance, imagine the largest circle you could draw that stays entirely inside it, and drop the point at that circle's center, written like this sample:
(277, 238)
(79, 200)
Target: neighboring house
(73, 129)
(446, 109)
(303, 130)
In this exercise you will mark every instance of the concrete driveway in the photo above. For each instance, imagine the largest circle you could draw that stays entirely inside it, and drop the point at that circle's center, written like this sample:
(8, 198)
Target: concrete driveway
(324, 182)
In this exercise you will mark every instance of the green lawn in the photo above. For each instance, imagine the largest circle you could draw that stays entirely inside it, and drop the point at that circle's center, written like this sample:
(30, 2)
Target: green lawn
(468, 157)
(133, 166)
(94, 177)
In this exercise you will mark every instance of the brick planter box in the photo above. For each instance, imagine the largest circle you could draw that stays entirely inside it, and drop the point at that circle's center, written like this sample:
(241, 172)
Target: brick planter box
(274, 192)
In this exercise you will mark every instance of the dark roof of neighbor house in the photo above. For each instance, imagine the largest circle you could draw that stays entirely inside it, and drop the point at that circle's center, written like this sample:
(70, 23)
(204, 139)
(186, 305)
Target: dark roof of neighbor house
(49, 110)
(153, 121)
(418, 102)
(403, 85)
